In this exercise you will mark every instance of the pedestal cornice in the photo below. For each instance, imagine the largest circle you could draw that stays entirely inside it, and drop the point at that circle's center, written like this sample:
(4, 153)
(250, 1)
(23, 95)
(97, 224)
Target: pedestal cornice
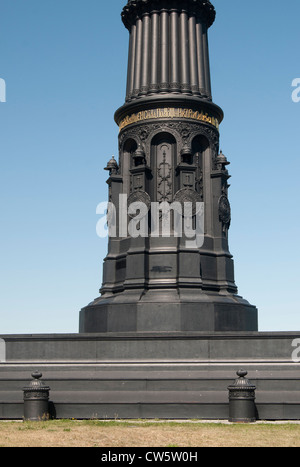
(209, 109)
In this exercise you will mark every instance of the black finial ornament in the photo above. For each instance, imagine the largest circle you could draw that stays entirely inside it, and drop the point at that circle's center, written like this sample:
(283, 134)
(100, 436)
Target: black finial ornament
(139, 156)
(222, 160)
(112, 166)
(242, 373)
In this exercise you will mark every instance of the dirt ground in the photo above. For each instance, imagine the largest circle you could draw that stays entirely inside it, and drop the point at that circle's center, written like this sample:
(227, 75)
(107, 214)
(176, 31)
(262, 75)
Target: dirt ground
(72, 433)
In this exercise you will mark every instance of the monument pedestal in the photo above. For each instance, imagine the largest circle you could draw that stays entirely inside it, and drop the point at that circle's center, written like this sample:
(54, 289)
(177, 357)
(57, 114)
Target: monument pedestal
(168, 267)
(171, 330)
(169, 311)
(151, 375)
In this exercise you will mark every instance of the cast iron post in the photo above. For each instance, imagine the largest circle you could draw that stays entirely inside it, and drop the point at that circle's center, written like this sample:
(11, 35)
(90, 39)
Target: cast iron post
(242, 400)
(36, 399)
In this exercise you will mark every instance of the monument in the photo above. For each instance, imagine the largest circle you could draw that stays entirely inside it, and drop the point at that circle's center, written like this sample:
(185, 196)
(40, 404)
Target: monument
(169, 153)
(169, 332)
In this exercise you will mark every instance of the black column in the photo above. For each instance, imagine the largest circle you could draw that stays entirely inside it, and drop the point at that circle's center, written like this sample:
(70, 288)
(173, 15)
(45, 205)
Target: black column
(184, 48)
(169, 154)
(146, 54)
(174, 63)
(168, 48)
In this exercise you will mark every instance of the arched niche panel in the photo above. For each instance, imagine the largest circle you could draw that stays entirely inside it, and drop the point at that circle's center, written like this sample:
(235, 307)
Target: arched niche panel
(163, 162)
(129, 148)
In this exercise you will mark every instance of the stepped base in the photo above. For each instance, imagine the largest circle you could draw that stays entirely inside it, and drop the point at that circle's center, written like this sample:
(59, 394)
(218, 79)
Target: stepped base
(168, 311)
(157, 375)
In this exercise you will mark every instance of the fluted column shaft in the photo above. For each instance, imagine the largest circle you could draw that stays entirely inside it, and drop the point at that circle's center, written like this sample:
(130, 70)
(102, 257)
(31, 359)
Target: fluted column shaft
(131, 62)
(145, 54)
(168, 53)
(154, 52)
(175, 76)
(193, 56)
(164, 51)
(206, 62)
(138, 57)
(184, 53)
(200, 58)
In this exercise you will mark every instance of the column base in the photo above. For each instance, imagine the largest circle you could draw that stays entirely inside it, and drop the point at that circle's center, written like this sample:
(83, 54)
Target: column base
(168, 311)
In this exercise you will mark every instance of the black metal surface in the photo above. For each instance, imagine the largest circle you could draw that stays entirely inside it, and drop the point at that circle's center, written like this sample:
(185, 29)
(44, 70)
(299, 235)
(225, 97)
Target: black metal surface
(242, 400)
(152, 375)
(36, 399)
(169, 151)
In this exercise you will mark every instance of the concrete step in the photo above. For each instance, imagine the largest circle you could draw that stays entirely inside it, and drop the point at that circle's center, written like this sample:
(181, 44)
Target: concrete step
(271, 405)
(152, 375)
(162, 385)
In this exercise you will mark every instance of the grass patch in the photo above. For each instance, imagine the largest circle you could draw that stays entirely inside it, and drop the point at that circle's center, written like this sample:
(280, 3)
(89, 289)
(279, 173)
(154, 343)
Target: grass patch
(133, 433)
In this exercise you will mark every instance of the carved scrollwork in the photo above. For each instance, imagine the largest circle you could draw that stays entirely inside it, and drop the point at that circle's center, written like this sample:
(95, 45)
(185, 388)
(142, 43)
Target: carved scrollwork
(36, 393)
(239, 394)
(225, 211)
(139, 196)
(187, 195)
(183, 132)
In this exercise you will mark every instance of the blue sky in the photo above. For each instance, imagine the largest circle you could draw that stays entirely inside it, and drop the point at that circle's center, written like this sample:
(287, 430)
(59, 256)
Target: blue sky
(64, 63)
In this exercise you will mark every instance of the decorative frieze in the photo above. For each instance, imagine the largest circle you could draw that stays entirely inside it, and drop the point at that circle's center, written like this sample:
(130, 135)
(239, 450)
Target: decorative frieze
(169, 113)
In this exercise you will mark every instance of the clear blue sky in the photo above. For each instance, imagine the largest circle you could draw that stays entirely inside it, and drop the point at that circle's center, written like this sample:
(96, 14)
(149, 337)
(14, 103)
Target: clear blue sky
(64, 63)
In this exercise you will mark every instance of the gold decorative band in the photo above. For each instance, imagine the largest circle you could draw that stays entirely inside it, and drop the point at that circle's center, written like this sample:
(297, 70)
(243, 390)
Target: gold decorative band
(171, 113)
